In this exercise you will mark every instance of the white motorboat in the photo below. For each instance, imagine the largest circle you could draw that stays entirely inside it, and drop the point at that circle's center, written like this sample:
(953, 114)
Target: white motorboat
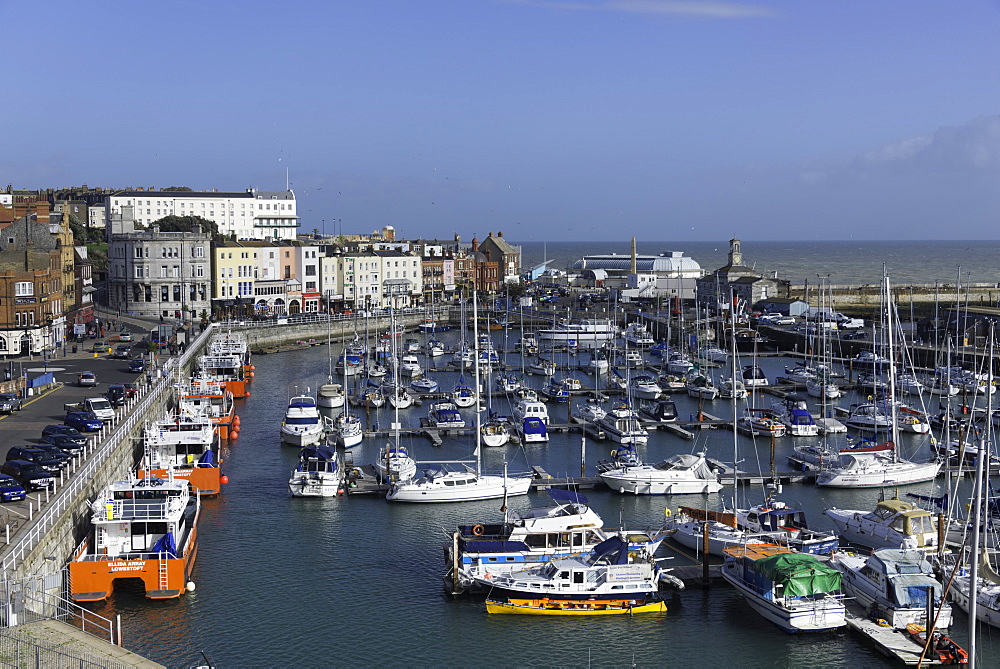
(531, 419)
(644, 387)
(868, 417)
(494, 431)
(876, 467)
(605, 573)
(893, 585)
(713, 355)
(588, 412)
(659, 411)
(677, 475)
(395, 464)
(585, 333)
(733, 389)
(320, 473)
(637, 334)
(622, 424)
(909, 384)
(795, 591)
(793, 412)
(463, 357)
(800, 374)
(440, 484)
(754, 377)
(302, 425)
(893, 524)
(409, 365)
(700, 386)
(346, 430)
(542, 366)
(678, 363)
(330, 396)
(463, 394)
(424, 384)
(524, 539)
(444, 414)
(762, 422)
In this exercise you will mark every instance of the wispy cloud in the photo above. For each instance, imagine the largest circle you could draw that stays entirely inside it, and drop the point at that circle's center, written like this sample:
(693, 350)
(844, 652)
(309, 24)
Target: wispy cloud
(971, 147)
(694, 8)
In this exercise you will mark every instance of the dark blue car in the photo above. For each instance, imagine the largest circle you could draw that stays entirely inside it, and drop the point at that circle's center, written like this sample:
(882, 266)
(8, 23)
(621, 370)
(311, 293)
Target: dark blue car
(11, 490)
(83, 421)
(137, 365)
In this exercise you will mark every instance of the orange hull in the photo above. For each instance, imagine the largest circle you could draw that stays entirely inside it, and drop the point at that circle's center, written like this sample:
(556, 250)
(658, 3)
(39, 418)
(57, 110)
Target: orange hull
(238, 387)
(203, 479)
(94, 580)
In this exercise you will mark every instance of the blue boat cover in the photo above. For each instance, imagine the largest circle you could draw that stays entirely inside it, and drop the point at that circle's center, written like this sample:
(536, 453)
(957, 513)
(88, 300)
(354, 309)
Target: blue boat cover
(165, 544)
(318, 453)
(207, 459)
(570, 496)
(615, 549)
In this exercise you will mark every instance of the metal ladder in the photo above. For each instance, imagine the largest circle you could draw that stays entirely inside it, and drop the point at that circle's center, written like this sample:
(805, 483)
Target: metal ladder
(164, 574)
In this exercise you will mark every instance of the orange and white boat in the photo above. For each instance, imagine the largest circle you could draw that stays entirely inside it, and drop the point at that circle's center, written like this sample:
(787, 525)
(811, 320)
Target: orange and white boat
(182, 445)
(207, 398)
(234, 345)
(227, 371)
(140, 528)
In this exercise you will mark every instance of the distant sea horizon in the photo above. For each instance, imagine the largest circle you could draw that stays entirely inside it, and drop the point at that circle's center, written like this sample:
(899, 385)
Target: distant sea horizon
(844, 262)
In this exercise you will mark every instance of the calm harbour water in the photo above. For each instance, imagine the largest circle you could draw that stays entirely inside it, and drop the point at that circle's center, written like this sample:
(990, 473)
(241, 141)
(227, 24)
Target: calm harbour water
(357, 581)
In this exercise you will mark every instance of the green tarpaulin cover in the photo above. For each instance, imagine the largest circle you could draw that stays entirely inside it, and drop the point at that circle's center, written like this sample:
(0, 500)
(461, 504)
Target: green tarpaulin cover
(801, 574)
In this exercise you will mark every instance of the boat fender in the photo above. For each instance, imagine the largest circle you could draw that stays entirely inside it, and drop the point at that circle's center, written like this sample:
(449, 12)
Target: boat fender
(478, 530)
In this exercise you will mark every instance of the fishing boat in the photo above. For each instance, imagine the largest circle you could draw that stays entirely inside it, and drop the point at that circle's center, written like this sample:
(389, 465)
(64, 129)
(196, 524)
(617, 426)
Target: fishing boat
(894, 585)
(892, 524)
(302, 425)
(606, 573)
(532, 537)
(181, 446)
(677, 475)
(143, 529)
(795, 591)
(622, 424)
(564, 607)
(227, 371)
(319, 473)
(444, 414)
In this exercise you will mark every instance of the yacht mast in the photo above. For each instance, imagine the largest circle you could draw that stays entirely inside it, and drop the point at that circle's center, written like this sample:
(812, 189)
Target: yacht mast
(890, 323)
(475, 358)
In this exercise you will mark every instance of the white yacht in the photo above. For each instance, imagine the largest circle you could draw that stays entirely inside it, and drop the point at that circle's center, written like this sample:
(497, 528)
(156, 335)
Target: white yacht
(320, 473)
(330, 396)
(395, 464)
(644, 387)
(588, 412)
(531, 419)
(637, 335)
(622, 424)
(893, 524)
(346, 429)
(677, 475)
(700, 386)
(868, 417)
(440, 484)
(302, 426)
(586, 333)
(793, 412)
(876, 467)
(444, 414)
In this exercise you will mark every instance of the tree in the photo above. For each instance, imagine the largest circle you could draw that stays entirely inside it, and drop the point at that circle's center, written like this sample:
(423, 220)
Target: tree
(186, 223)
(178, 188)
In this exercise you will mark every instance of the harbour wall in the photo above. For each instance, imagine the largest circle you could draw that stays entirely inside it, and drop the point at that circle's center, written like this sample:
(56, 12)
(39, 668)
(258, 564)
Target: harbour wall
(863, 298)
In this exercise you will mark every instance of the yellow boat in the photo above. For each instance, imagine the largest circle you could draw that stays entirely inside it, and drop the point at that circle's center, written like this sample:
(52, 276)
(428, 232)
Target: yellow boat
(574, 607)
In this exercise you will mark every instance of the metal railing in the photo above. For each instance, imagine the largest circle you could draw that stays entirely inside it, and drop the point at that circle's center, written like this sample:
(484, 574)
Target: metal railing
(98, 451)
(18, 649)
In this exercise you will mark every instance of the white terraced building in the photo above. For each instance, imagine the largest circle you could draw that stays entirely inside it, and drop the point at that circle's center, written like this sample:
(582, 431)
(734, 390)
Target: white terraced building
(254, 214)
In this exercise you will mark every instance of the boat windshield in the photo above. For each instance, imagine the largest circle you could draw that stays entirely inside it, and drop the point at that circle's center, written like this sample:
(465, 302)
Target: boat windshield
(302, 421)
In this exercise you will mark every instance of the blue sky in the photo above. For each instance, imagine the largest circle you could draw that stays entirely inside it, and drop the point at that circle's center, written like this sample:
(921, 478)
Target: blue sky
(588, 119)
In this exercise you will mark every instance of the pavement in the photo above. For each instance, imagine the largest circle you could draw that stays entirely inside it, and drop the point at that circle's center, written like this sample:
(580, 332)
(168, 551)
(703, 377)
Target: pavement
(70, 640)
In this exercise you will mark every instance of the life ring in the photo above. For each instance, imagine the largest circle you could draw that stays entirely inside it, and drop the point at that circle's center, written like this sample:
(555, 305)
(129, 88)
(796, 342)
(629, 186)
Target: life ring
(667, 513)
(478, 530)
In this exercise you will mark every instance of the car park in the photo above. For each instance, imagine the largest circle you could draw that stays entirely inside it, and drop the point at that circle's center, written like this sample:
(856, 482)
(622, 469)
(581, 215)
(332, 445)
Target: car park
(10, 489)
(28, 474)
(65, 443)
(38, 456)
(86, 379)
(84, 421)
(9, 403)
(137, 365)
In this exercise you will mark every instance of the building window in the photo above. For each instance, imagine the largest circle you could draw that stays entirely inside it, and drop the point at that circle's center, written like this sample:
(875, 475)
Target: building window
(199, 252)
(199, 270)
(24, 289)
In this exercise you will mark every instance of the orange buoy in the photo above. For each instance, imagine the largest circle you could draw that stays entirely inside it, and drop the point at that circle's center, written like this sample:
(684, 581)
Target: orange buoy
(253, 367)
(250, 374)
(246, 394)
(236, 420)
(233, 434)
(223, 479)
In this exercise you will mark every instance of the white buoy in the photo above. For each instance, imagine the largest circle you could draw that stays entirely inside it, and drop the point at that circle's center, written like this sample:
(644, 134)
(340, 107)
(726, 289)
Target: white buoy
(190, 586)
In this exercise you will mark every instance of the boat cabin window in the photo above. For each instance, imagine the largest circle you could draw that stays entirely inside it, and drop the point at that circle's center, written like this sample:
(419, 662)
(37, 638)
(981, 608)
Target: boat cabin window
(922, 524)
(564, 575)
(578, 576)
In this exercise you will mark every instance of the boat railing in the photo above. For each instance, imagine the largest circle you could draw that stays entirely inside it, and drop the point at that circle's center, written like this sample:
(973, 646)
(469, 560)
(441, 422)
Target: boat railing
(100, 448)
(138, 509)
(128, 557)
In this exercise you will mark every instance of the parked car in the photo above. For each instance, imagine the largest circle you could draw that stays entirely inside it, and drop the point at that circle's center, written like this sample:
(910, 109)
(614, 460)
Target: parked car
(86, 379)
(28, 474)
(65, 443)
(10, 489)
(38, 456)
(54, 453)
(9, 403)
(122, 351)
(84, 421)
(137, 365)
(65, 430)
